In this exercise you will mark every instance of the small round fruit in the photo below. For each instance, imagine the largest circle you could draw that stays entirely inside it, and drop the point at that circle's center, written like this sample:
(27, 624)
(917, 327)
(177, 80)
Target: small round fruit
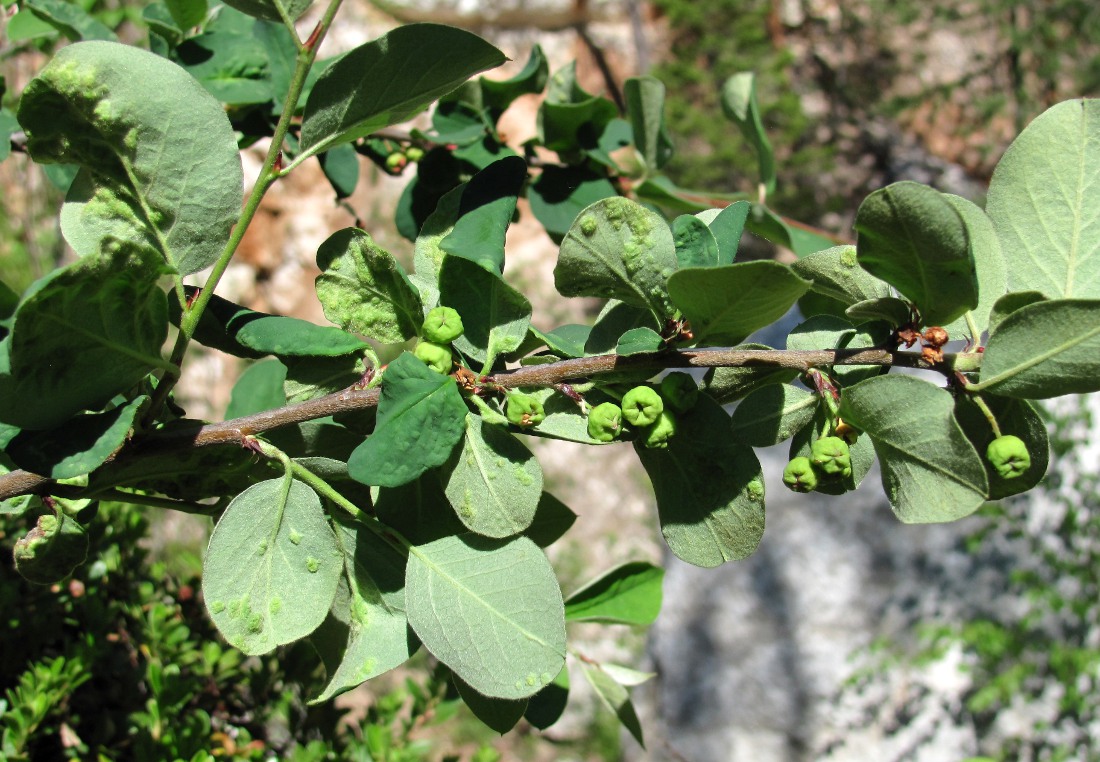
(642, 405)
(396, 162)
(435, 356)
(1009, 456)
(605, 422)
(656, 436)
(832, 457)
(414, 153)
(524, 410)
(800, 475)
(442, 325)
(680, 391)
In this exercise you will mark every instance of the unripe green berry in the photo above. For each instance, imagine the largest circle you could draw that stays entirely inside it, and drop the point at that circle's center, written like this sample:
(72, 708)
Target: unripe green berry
(1009, 456)
(680, 391)
(642, 405)
(800, 475)
(442, 325)
(396, 161)
(662, 430)
(832, 457)
(435, 356)
(524, 410)
(605, 422)
(414, 153)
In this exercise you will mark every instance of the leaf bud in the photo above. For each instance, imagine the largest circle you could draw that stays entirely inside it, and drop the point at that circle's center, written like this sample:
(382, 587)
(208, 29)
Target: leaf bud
(1009, 456)
(435, 356)
(832, 457)
(642, 406)
(442, 325)
(524, 410)
(605, 422)
(800, 475)
(656, 436)
(680, 391)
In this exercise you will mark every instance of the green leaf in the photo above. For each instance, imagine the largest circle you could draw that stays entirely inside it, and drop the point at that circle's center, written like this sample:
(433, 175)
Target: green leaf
(772, 415)
(1043, 198)
(709, 490)
(78, 447)
(469, 600)
(369, 610)
(740, 106)
(915, 238)
(259, 388)
(781, 231)
(292, 337)
(726, 304)
(341, 168)
(1016, 417)
(495, 315)
(571, 120)
(418, 510)
(82, 335)
(894, 311)
(988, 262)
(213, 328)
(428, 255)
(618, 249)
(548, 705)
(726, 385)
(695, 244)
(348, 103)
(836, 273)
(70, 19)
(727, 225)
(615, 697)
(645, 102)
(498, 714)
(930, 471)
(493, 481)
(488, 204)
(497, 95)
(566, 340)
(1008, 304)
(552, 520)
(272, 10)
(564, 418)
(421, 417)
(627, 594)
(272, 566)
(1044, 350)
(639, 341)
(187, 13)
(559, 194)
(311, 377)
(232, 67)
(8, 126)
(615, 320)
(363, 289)
(160, 165)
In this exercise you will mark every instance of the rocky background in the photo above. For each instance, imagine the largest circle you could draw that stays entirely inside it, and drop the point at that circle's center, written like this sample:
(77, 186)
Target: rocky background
(840, 639)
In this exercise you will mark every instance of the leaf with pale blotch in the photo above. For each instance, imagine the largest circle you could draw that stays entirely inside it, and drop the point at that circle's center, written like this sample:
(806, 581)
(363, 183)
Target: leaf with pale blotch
(695, 244)
(725, 304)
(1046, 349)
(469, 599)
(1043, 200)
(930, 470)
(618, 249)
(81, 335)
(628, 594)
(160, 164)
(272, 566)
(914, 238)
(363, 289)
(369, 610)
(709, 490)
(772, 415)
(348, 102)
(836, 273)
(493, 481)
(421, 417)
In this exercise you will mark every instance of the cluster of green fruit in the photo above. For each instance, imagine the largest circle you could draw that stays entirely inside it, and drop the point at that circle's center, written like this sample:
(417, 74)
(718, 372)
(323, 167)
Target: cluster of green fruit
(651, 412)
(441, 326)
(829, 458)
(398, 160)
